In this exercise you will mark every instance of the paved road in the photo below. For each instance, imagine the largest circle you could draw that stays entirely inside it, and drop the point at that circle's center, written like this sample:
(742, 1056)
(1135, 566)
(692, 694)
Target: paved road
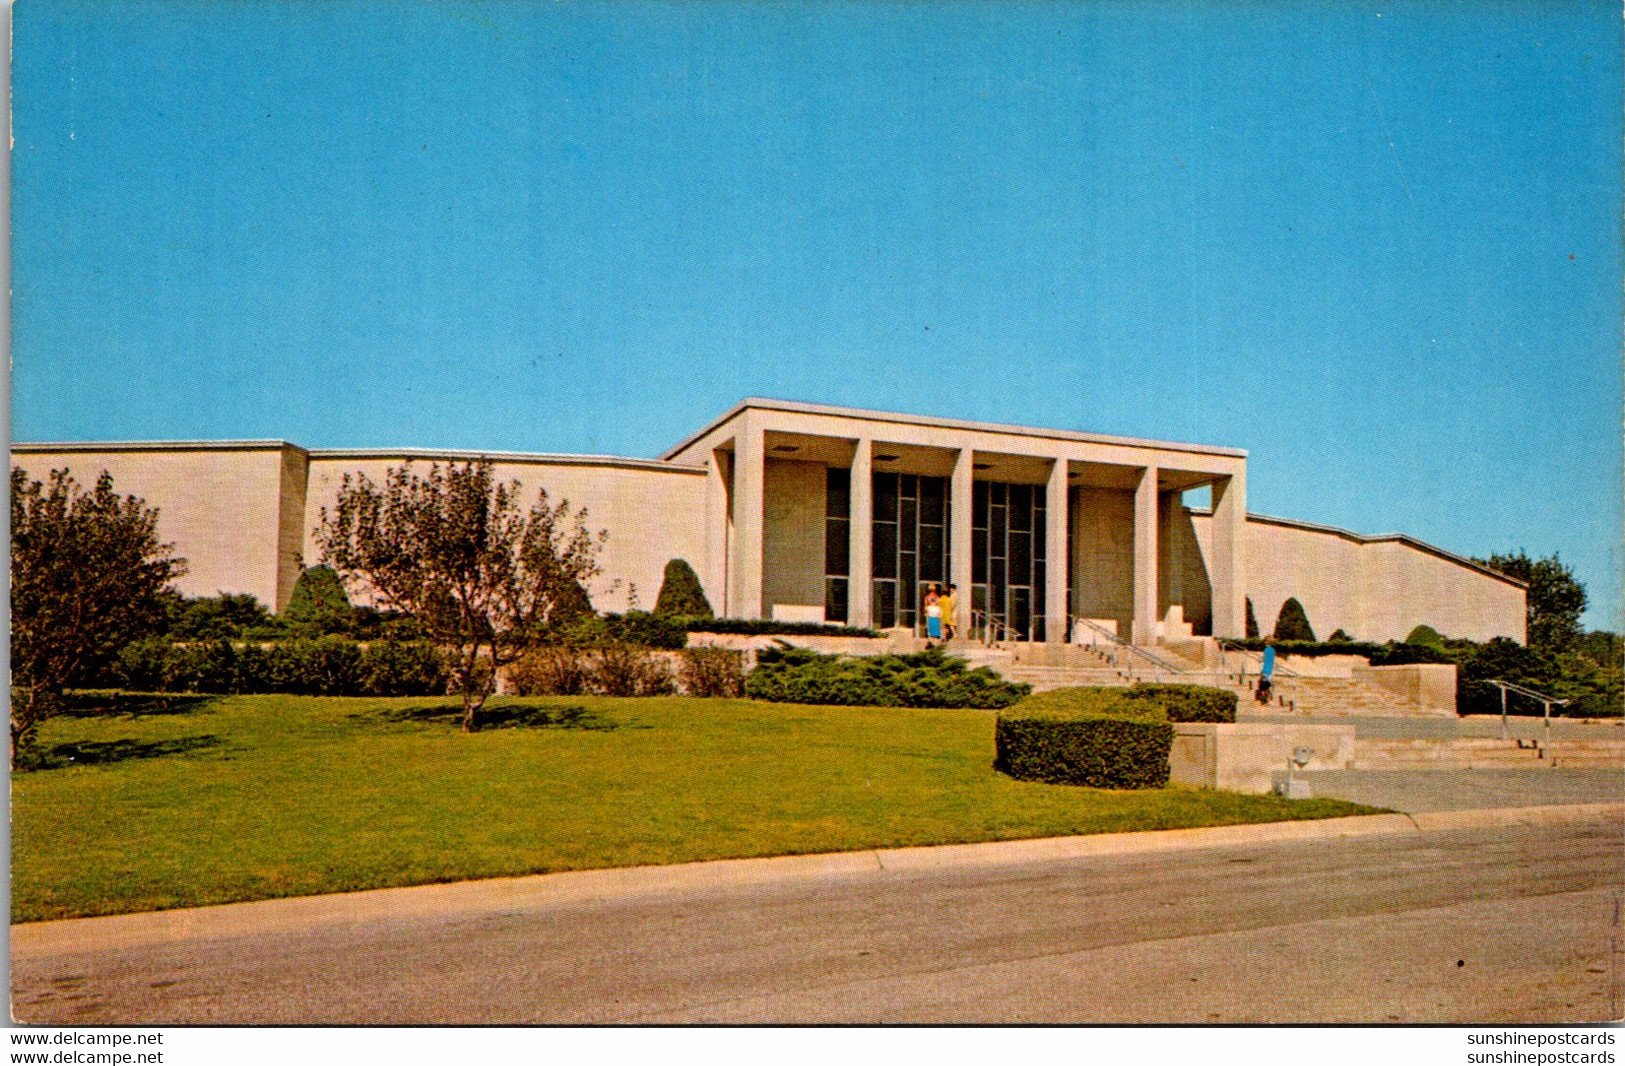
(1483, 925)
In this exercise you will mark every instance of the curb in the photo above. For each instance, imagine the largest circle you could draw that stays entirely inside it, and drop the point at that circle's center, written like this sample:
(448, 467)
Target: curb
(508, 895)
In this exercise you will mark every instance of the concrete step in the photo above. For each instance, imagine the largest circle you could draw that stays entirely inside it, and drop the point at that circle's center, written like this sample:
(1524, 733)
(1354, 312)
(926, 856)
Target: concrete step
(1455, 752)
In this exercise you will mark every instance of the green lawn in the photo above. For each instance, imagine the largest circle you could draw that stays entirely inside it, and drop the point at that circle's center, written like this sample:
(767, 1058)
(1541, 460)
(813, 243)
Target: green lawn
(148, 805)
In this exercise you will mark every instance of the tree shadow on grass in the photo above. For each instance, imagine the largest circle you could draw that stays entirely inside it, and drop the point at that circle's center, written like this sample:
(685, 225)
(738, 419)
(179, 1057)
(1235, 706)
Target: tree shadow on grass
(502, 716)
(130, 704)
(101, 752)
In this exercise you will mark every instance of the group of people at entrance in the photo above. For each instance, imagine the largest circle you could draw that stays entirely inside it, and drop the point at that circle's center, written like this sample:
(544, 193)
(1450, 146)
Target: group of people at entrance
(940, 612)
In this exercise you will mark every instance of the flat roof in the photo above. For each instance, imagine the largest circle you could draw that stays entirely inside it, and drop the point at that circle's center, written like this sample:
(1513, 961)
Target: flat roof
(462, 455)
(798, 407)
(150, 445)
(431, 454)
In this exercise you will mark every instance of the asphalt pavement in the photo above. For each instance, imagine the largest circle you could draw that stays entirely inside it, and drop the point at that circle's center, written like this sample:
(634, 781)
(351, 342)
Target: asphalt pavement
(1437, 919)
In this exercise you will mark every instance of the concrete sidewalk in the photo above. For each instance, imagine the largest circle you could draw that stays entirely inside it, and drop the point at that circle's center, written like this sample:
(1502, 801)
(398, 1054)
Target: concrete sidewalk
(516, 895)
(1452, 789)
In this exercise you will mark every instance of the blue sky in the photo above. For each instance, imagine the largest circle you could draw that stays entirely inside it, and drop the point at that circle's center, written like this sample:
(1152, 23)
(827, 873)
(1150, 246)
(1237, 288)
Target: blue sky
(1377, 245)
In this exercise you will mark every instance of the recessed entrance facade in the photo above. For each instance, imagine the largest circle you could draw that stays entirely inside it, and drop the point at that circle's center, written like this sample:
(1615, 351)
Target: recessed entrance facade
(848, 516)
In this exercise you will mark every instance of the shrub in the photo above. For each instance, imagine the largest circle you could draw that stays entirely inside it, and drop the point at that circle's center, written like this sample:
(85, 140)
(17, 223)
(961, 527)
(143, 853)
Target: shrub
(1252, 621)
(1308, 649)
(1426, 636)
(1188, 703)
(644, 630)
(319, 604)
(141, 666)
(1339, 637)
(1292, 623)
(223, 617)
(680, 593)
(923, 679)
(573, 605)
(1408, 654)
(391, 669)
(766, 627)
(205, 666)
(327, 666)
(712, 672)
(630, 670)
(1093, 737)
(556, 671)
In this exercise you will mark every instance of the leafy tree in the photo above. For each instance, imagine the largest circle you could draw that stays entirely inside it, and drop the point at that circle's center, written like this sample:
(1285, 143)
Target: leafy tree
(1252, 621)
(1292, 623)
(319, 605)
(1603, 648)
(456, 551)
(87, 577)
(1555, 601)
(680, 593)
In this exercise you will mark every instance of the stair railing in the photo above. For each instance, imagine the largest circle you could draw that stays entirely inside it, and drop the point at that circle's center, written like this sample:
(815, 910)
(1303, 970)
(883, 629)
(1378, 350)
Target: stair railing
(1546, 702)
(1122, 655)
(986, 625)
(1228, 646)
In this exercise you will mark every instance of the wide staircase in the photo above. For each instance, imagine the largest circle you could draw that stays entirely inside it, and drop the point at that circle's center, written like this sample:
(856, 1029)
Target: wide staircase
(1485, 753)
(1052, 666)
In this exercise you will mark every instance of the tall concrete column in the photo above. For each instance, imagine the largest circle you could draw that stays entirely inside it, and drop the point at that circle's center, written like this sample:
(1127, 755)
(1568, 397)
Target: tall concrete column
(960, 490)
(861, 544)
(749, 497)
(1227, 570)
(1057, 520)
(1145, 558)
(715, 577)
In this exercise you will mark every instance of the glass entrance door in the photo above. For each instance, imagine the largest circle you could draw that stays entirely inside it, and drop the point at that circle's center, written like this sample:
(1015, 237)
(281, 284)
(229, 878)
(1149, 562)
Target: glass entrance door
(1008, 556)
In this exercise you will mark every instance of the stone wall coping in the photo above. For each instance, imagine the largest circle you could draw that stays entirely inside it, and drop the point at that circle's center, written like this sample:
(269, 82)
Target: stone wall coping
(1378, 538)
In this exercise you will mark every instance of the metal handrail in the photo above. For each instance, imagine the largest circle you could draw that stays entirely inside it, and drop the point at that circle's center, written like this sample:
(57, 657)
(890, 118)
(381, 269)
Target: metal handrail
(1228, 645)
(1117, 643)
(1546, 702)
(981, 621)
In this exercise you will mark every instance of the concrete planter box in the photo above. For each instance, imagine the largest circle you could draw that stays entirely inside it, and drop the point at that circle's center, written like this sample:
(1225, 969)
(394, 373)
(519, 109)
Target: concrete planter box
(1248, 756)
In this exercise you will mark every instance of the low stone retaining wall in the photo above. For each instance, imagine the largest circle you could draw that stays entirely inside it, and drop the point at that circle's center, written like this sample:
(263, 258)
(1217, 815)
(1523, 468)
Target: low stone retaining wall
(1248, 756)
(1428, 687)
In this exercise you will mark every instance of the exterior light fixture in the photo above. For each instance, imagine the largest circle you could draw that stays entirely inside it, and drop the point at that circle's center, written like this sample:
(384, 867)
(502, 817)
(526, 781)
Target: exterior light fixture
(1295, 787)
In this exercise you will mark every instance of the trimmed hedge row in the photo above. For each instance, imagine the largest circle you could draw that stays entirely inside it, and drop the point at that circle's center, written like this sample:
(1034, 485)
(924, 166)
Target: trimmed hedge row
(762, 627)
(923, 679)
(1102, 737)
(329, 666)
(1188, 703)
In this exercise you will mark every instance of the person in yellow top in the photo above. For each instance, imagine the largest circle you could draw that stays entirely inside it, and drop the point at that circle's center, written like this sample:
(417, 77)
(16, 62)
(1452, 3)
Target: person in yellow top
(950, 619)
